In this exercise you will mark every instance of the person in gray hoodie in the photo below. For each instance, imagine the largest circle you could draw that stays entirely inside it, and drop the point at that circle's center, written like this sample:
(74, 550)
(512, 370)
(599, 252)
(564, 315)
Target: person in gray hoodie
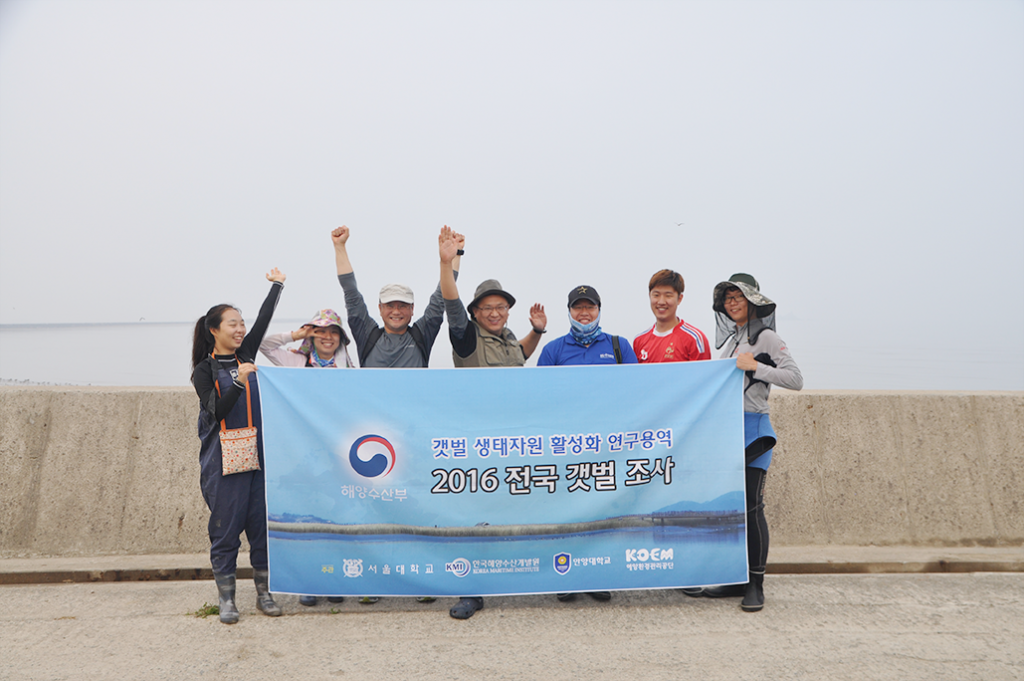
(745, 325)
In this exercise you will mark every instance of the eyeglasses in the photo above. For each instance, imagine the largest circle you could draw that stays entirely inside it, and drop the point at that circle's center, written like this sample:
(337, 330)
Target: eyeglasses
(584, 307)
(397, 306)
(734, 299)
(493, 308)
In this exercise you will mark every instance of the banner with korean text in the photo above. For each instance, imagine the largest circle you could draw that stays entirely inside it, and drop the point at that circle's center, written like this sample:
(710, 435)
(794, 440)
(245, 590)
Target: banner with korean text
(415, 482)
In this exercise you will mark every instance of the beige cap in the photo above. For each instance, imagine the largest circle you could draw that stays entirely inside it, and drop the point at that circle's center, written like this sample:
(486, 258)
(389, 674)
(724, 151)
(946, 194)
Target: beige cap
(392, 292)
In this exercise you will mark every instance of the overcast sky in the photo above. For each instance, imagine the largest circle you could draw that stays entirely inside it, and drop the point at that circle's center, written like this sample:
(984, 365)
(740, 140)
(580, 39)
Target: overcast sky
(864, 160)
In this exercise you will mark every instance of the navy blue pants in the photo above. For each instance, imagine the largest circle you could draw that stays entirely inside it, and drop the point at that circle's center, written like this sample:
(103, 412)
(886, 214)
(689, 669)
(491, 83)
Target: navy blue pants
(237, 504)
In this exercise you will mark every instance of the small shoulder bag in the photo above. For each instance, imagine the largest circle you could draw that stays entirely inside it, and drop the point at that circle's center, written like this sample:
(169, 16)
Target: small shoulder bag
(238, 451)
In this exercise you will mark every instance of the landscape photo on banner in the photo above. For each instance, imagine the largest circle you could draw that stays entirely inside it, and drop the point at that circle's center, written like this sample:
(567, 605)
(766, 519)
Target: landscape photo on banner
(493, 481)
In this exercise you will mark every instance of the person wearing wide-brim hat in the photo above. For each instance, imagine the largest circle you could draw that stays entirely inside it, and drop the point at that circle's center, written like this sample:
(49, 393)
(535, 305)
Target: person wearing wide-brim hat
(745, 326)
(483, 339)
(324, 344)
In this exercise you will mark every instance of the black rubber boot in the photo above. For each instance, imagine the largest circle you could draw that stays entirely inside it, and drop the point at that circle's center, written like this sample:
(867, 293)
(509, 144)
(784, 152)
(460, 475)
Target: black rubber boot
(264, 601)
(226, 598)
(466, 607)
(753, 599)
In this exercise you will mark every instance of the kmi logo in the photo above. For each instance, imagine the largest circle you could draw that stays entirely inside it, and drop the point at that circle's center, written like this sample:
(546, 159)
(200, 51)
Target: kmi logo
(643, 555)
(458, 567)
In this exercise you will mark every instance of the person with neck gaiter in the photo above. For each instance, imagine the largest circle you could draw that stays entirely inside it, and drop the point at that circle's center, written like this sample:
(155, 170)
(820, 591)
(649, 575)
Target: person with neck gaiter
(324, 346)
(586, 343)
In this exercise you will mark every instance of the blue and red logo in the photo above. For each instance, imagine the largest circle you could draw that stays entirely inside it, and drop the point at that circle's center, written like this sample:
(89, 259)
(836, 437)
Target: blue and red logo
(372, 456)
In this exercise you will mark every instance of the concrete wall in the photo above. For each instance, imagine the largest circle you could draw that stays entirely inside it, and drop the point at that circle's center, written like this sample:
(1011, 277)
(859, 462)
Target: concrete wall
(101, 471)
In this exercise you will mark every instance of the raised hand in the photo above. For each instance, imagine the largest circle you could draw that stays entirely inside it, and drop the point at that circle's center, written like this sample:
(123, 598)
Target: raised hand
(276, 275)
(538, 318)
(447, 246)
(340, 236)
(303, 332)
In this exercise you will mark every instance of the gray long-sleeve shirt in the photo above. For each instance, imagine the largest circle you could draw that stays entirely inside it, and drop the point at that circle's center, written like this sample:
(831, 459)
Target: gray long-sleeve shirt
(785, 374)
(392, 349)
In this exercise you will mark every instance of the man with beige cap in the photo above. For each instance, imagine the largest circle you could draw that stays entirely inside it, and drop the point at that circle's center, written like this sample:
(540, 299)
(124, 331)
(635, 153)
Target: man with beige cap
(400, 342)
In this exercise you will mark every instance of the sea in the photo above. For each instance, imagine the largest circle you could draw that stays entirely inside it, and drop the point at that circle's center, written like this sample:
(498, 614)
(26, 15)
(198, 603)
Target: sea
(158, 354)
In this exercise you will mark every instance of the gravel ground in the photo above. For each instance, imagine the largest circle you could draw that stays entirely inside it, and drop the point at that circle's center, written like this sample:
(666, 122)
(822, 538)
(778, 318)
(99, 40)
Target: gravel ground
(922, 626)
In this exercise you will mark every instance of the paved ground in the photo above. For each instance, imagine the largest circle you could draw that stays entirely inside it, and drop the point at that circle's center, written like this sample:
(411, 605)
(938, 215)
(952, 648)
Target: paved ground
(855, 626)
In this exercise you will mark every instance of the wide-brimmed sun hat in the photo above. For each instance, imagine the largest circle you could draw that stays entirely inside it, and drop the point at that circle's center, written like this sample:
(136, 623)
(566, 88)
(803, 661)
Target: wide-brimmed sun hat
(324, 318)
(750, 289)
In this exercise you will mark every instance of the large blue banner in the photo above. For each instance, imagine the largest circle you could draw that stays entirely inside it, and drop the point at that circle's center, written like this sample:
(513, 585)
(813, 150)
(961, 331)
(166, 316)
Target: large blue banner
(415, 482)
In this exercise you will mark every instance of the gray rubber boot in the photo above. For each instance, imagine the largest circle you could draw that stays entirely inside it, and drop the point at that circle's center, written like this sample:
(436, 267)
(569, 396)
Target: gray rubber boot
(226, 598)
(264, 601)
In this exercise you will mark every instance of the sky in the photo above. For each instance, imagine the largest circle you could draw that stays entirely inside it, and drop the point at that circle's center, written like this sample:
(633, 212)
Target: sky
(864, 160)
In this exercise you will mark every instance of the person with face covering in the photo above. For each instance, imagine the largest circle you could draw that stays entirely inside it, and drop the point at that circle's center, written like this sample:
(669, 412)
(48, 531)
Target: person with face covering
(745, 325)
(224, 376)
(325, 346)
(586, 344)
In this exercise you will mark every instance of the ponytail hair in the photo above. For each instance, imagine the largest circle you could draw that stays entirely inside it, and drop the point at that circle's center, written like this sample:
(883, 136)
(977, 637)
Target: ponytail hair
(202, 339)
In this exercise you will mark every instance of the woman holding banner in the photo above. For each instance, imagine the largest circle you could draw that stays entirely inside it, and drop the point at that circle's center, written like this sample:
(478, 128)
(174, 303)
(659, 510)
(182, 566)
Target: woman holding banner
(231, 450)
(745, 325)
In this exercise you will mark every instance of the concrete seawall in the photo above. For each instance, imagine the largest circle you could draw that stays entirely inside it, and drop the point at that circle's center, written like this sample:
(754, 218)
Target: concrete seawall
(115, 471)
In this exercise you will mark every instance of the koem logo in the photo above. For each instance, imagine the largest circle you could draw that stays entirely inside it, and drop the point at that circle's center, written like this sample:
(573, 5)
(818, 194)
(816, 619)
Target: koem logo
(643, 555)
(458, 567)
(372, 456)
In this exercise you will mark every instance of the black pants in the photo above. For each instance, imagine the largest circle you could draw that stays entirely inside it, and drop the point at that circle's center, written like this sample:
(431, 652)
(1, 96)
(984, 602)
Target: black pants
(757, 524)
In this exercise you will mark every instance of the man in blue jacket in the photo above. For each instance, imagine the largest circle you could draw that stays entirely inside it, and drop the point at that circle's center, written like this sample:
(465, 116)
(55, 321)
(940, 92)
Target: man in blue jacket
(586, 343)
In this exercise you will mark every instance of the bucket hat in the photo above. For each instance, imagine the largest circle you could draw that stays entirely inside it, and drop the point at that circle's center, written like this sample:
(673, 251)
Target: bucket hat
(491, 287)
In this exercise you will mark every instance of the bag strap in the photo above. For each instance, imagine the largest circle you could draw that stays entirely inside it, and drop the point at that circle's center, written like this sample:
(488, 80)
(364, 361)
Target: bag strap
(371, 341)
(248, 400)
(421, 343)
(615, 347)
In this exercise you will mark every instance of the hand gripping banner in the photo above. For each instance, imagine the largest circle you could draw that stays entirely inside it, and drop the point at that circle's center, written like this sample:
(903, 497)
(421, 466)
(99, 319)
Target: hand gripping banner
(412, 482)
